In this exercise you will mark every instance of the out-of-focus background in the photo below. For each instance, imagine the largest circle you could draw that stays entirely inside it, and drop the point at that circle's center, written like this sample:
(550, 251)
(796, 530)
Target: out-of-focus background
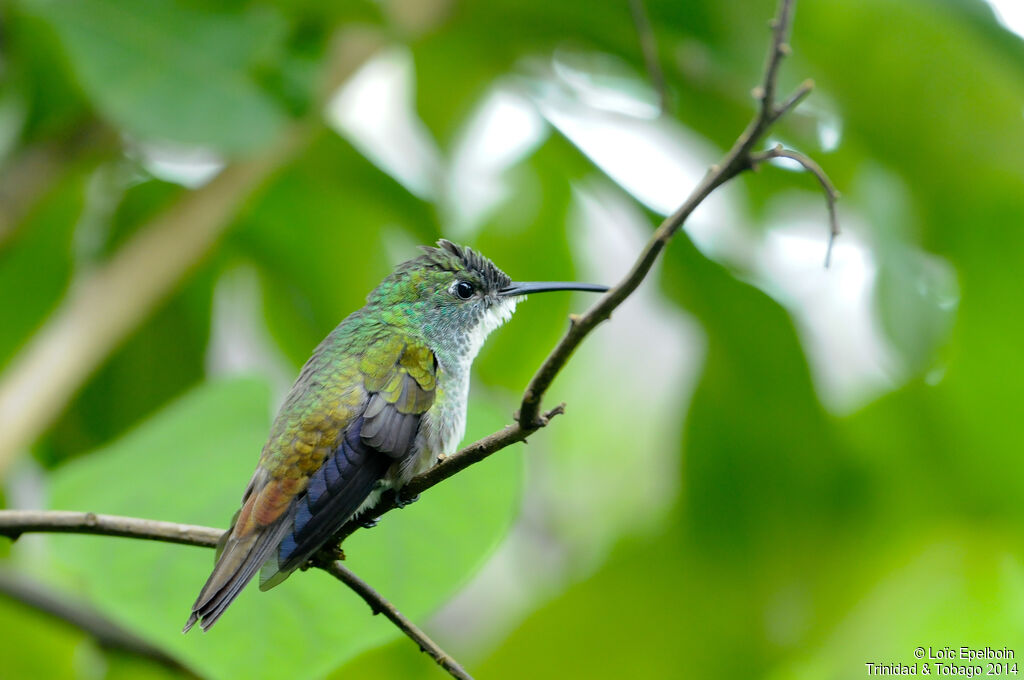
(766, 469)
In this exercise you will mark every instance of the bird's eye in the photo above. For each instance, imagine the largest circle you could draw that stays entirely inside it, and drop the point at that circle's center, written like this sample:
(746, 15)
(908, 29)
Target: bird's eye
(464, 289)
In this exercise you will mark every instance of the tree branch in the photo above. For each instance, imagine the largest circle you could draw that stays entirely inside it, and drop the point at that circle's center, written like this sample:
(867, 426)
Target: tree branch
(739, 158)
(14, 523)
(381, 606)
(106, 305)
(457, 462)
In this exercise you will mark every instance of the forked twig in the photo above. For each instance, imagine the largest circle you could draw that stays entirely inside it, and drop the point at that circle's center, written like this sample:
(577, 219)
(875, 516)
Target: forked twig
(741, 157)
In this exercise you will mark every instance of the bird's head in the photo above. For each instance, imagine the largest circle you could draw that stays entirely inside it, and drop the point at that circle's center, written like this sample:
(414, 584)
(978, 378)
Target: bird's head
(454, 297)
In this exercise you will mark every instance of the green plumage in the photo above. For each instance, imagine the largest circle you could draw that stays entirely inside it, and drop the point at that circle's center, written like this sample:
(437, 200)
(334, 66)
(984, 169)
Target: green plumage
(382, 396)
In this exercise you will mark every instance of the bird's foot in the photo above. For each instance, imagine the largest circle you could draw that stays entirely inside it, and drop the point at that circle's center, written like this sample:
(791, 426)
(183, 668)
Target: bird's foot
(369, 522)
(402, 501)
(324, 556)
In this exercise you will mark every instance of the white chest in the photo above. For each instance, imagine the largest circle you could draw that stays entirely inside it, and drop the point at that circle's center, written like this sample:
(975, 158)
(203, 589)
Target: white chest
(443, 425)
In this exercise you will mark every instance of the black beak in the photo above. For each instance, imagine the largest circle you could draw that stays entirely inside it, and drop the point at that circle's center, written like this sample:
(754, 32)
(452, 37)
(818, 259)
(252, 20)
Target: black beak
(527, 287)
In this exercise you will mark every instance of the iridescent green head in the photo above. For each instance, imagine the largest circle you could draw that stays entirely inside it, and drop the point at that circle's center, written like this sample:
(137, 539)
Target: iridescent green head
(454, 297)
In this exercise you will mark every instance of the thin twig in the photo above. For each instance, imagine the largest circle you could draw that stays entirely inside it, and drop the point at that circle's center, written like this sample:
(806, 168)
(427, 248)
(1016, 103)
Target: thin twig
(108, 303)
(791, 102)
(831, 195)
(457, 462)
(781, 25)
(381, 606)
(649, 47)
(739, 159)
(736, 161)
(13, 523)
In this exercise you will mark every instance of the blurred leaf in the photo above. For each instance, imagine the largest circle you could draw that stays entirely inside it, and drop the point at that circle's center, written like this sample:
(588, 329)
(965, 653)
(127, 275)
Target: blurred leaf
(632, 619)
(399, 659)
(140, 203)
(532, 220)
(38, 646)
(38, 74)
(768, 496)
(756, 433)
(159, 361)
(167, 71)
(955, 588)
(190, 464)
(463, 60)
(124, 666)
(983, 140)
(916, 297)
(41, 254)
(318, 234)
(953, 134)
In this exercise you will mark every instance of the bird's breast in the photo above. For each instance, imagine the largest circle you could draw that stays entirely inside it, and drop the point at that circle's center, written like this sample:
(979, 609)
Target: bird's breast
(443, 425)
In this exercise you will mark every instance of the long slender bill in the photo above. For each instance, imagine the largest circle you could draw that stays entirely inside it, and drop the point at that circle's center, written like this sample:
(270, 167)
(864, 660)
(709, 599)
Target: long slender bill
(528, 287)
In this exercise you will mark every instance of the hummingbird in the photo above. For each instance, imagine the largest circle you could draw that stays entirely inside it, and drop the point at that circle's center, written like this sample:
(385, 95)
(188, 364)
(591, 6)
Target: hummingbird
(381, 398)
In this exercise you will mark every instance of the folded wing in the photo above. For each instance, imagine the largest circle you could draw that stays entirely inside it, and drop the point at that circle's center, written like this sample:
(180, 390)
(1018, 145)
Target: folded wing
(298, 500)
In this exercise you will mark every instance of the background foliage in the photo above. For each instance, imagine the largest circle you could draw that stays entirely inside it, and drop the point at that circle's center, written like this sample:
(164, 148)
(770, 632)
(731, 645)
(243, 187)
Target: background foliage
(766, 469)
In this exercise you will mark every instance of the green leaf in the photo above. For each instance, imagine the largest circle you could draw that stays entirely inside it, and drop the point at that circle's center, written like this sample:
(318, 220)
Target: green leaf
(762, 508)
(916, 297)
(127, 666)
(955, 588)
(318, 234)
(38, 646)
(40, 253)
(637, 617)
(166, 71)
(158, 362)
(35, 70)
(190, 464)
(534, 218)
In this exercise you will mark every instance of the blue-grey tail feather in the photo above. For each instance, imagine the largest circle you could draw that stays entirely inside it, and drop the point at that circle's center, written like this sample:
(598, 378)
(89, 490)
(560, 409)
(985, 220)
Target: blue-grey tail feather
(232, 572)
(335, 492)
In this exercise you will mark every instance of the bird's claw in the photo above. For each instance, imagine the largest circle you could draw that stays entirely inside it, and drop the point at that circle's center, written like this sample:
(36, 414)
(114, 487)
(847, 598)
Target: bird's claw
(402, 501)
(369, 522)
(325, 555)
